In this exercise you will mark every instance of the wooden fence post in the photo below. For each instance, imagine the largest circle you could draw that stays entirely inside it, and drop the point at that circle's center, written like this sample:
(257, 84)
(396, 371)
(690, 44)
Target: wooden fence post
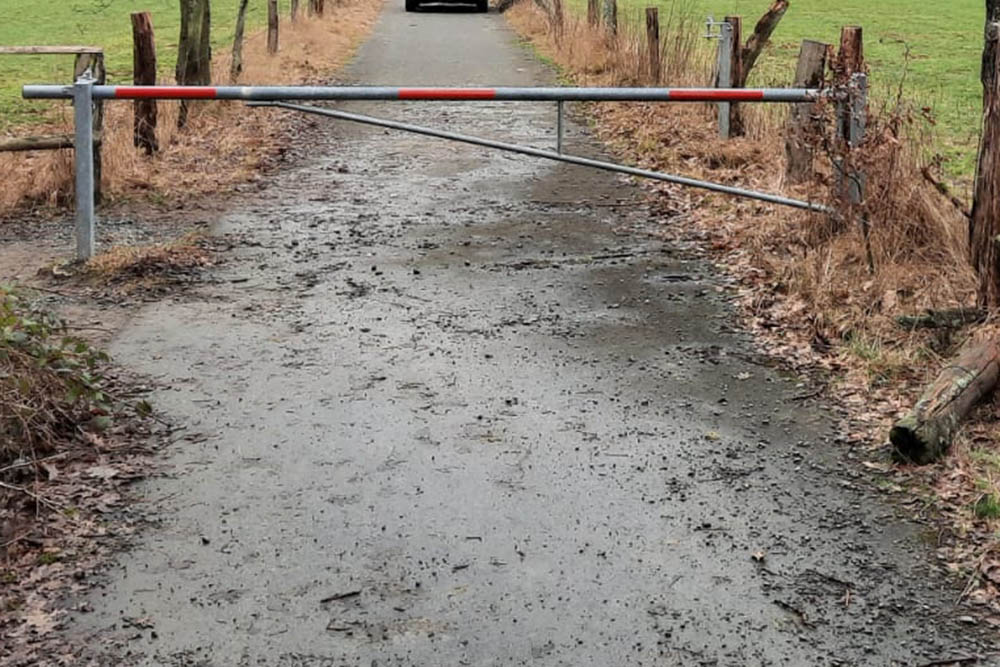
(850, 60)
(808, 74)
(736, 76)
(144, 74)
(295, 10)
(272, 26)
(95, 63)
(592, 13)
(653, 43)
(611, 16)
(984, 227)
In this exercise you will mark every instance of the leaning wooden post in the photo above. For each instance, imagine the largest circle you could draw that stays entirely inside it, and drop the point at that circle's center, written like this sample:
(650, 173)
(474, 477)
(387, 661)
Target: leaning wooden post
(236, 67)
(272, 26)
(758, 40)
(653, 43)
(801, 123)
(925, 434)
(984, 226)
(611, 17)
(144, 74)
(94, 62)
(593, 11)
(736, 77)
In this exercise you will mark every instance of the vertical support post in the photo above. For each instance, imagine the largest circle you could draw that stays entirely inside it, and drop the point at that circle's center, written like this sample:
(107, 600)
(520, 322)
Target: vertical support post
(611, 17)
(592, 13)
(272, 26)
(94, 64)
(736, 77)
(725, 78)
(653, 43)
(559, 126)
(295, 10)
(83, 144)
(808, 74)
(144, 74)
(855, 112)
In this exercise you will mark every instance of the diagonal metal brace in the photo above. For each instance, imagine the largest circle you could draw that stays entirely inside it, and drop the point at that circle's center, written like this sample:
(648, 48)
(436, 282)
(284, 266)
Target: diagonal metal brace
(550, 155)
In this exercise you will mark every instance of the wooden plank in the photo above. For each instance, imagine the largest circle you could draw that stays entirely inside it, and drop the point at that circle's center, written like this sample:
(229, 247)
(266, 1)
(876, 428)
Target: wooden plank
(48, 50)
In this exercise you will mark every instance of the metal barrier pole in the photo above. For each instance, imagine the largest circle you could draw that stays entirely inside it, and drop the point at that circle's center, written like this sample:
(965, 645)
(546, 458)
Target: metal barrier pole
(725, 74)
(856, 133)
(559, 126)
(83, 148)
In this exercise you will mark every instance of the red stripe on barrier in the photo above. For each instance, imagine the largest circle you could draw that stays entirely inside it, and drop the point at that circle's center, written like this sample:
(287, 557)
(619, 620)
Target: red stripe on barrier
(165, 92)
(447, 94)
(716, 95)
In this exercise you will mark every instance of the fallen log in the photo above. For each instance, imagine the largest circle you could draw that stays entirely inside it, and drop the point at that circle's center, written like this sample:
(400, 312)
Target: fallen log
(924, 435)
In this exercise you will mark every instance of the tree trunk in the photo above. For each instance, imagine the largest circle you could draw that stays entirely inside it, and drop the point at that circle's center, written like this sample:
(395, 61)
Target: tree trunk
(272, 26)
(144, 74)
(611, 17)
(194, 49)
(653, 43)
(801, 122)
(558, 20)
(295, 10)
(924, 435)
(984, 226)
(236, 68)
(758, 40)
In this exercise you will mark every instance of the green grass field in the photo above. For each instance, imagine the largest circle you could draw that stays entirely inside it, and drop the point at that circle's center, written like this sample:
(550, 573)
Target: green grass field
(103, 23)
(944, 40)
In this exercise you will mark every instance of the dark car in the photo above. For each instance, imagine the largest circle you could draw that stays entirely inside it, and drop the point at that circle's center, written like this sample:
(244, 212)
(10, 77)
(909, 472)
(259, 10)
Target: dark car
(481, 5)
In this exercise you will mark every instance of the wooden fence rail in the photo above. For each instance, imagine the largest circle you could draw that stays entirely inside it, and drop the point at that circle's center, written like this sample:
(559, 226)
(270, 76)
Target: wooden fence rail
(87, 58)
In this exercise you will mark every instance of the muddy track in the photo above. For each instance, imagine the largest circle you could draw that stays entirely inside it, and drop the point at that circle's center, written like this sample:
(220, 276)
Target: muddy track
(451, 407)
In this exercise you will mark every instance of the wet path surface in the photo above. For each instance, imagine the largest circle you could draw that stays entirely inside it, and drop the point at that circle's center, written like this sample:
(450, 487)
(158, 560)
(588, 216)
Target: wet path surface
(451, 407)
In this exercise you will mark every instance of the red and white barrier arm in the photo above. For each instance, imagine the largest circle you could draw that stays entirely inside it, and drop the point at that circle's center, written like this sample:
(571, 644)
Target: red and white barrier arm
(343, 93)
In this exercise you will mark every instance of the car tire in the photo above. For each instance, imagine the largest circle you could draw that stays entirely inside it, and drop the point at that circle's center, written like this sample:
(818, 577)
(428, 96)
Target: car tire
(411, 5)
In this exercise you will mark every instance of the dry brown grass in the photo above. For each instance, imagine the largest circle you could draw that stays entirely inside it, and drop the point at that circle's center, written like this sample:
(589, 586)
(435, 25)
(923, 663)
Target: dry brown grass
(806, 286)
(224, 143)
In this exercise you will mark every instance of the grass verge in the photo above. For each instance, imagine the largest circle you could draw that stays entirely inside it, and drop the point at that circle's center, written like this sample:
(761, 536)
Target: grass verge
(805, 284)
(224, 144)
